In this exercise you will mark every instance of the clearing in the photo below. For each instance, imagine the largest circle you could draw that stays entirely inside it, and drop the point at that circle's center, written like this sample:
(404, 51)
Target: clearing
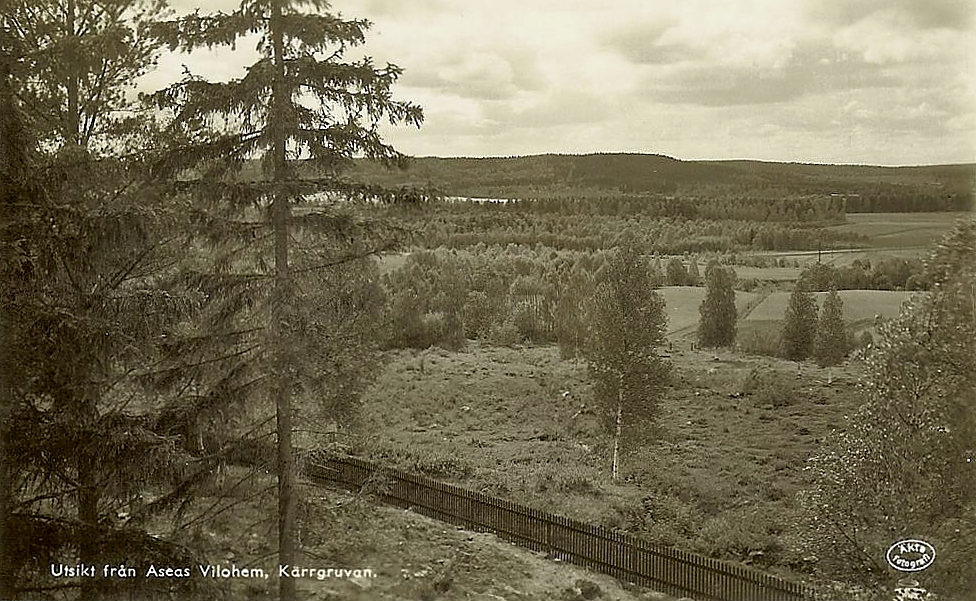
(718, 478)
(901, 230)
(682, 304)
(860, 306)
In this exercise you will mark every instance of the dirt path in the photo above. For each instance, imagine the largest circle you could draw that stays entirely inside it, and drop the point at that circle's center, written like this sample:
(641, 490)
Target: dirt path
(416, 557)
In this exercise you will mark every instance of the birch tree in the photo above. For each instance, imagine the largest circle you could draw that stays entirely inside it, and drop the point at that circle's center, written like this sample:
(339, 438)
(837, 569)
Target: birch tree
(627, 326)
(906, 465)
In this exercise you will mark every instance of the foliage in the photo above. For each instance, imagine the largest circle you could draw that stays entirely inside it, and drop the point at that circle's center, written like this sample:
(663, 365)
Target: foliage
(272, 237)
(77, 62)
(770, 387)
(89, 295)
(832, 341)
(905, 466)
(763, 338)
(542, 293)
(891, 273)
(676, 274)
(628, 322)
(718, 313)
(506, 333)
(563, 225)
(799, 324)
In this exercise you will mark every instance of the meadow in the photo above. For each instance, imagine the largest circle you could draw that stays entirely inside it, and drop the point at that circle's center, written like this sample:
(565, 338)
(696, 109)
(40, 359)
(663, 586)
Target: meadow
(859, 305)
(900, 230)
(682, 303)
(719, 477)
(719, 473)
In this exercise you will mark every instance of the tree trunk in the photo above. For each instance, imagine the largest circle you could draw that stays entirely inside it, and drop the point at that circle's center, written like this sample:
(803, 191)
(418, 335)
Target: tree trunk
(88, 515)
(7, 575)
(281, 215)
(74, 118)
(617, 427)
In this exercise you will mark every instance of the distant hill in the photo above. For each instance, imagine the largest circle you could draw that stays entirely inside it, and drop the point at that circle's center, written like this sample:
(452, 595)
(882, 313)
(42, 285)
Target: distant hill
(868, 188)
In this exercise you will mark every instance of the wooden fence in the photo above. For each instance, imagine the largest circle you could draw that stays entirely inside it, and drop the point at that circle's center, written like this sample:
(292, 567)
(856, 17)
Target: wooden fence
(660, 568)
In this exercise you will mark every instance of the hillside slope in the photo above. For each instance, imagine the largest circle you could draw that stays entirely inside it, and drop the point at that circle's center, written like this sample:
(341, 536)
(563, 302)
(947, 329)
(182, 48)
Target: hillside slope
(598, 174)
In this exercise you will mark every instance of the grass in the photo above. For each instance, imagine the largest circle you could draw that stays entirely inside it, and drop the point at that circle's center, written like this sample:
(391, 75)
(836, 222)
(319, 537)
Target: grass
(409, 555)
(682, 304)
(900, 230)
(859, 305)
(718, 478)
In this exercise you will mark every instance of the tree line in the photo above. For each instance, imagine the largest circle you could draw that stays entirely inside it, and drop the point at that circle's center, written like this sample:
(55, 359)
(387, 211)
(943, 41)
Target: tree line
(461, 225)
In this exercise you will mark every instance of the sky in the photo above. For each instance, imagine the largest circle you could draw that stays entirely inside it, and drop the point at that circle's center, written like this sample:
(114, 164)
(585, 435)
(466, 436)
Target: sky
(886, 82)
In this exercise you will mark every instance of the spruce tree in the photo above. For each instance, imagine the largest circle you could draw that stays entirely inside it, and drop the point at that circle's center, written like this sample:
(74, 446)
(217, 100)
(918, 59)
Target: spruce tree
(799, 324)
(832, 340)
(305, 113)
(87, 257)
(716, 326)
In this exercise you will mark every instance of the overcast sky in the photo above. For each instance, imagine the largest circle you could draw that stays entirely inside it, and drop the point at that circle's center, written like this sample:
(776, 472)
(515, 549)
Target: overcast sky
(888, 82)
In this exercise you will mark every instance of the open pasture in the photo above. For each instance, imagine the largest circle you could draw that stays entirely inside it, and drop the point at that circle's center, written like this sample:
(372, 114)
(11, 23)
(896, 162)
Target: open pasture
(719, 476)
(900, 230)
(682, 302)
(859, 305)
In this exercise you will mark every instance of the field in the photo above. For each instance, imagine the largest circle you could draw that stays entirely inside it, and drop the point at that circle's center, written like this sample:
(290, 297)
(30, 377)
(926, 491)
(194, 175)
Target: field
(719, 477)
(901, 230)
(859, 305)
(682, 304)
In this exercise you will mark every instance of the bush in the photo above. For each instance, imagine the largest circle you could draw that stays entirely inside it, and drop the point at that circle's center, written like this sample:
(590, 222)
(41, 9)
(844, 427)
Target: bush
(740, 536)
(758, 341)
(769, 387)
(864, 340)
(505, 333)
(577, 480)
(442, 330)
(668, 519)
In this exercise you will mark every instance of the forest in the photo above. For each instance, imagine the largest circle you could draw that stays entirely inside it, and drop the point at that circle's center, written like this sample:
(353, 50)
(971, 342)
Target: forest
(860, 188)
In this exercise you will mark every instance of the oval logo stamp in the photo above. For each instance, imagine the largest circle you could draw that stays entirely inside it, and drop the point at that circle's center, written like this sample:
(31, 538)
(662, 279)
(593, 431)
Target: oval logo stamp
(911, 555)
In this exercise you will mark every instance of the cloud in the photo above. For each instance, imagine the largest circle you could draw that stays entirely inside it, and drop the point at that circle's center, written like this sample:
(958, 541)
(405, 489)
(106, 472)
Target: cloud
(883, 81)
(920, 14)
(400, 8)
(644, 43)
(484, 74)
(811, 68)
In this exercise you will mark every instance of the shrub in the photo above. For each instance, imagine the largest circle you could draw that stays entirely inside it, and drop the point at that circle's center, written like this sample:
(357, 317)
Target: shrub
(505, 333)
(759, 341)
(769, 387)
(741, 536)
(669, 519)
(864, 340)
(477, 315)
(577, 480)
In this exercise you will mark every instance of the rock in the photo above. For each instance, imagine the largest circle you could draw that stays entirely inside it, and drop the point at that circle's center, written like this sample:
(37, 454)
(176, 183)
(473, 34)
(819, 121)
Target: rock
(588, 589)
(443, 585)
